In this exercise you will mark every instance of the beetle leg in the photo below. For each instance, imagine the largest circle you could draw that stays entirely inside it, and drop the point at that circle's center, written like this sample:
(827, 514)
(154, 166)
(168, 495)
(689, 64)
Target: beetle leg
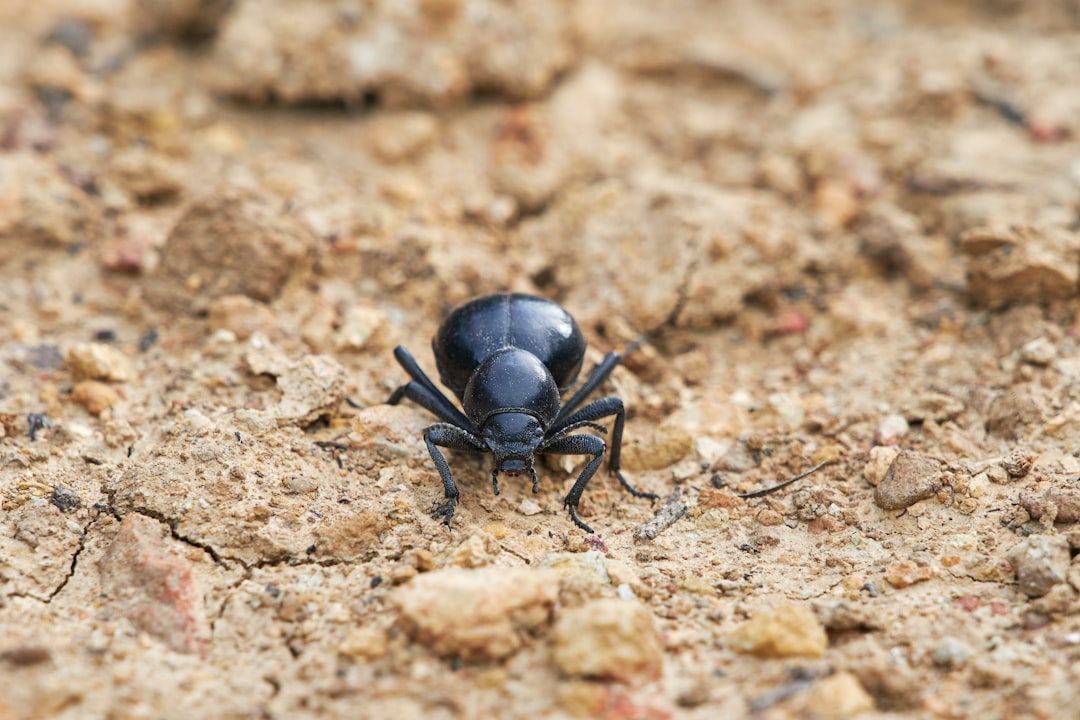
(604, 407)
(455, 438)
(598, 375)
(424, 393)
(578, 445)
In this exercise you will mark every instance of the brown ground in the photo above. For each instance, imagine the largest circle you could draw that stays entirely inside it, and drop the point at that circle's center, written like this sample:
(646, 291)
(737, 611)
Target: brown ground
(217, 220)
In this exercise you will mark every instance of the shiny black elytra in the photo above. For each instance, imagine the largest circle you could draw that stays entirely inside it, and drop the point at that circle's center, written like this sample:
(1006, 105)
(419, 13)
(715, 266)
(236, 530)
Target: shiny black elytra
(509, 358)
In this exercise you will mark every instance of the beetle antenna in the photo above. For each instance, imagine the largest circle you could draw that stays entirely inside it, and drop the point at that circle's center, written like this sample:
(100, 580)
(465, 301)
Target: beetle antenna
(495, 480)
(535, 479)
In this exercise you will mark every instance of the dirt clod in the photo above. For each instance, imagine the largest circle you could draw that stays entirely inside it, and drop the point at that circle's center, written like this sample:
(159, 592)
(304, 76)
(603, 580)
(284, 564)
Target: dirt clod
(607, 639)
(232, 242)
(482, 614)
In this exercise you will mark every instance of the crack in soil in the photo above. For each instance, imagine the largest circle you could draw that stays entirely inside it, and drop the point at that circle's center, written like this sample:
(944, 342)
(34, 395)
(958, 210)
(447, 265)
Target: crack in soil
(74, 559)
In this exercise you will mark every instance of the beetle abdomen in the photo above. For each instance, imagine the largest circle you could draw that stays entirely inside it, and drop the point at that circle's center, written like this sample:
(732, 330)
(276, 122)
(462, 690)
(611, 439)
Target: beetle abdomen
(474, 331)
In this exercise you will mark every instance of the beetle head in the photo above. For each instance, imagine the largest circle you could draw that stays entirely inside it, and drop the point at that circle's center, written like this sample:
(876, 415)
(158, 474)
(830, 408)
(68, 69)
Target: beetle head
(513, 438)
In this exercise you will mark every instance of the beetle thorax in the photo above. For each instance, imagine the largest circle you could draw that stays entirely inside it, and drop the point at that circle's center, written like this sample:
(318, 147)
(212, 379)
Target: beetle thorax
(511, 380)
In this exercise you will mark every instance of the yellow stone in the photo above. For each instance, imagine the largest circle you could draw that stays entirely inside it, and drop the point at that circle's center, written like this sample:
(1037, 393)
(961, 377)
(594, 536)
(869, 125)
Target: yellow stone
(786, 631)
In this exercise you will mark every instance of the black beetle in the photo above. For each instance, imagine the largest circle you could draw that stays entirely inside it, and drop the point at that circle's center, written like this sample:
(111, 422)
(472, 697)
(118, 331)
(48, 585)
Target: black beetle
(509, 358)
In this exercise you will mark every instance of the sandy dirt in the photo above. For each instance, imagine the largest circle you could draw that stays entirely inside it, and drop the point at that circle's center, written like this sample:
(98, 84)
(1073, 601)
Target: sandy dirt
(217, 220)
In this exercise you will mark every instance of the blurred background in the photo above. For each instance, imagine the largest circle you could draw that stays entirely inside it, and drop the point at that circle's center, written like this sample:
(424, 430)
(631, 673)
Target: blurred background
(217, 218)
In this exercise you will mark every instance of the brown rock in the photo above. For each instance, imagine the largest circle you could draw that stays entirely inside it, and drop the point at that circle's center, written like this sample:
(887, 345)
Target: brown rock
(1021, 263)
(608, 639)
(483, 614)
(1010, 414)
(1040, 562)
(148, 580)
(1063, 504)
(911, 477)
(233, 242)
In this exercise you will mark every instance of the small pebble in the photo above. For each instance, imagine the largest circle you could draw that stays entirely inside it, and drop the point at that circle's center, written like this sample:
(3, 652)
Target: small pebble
(95, 361)
(891, 430)
(530, 507)
(1039, 351)
(697, 585)
(1040, 563)
(1018, 462)
(403, 136)
(906, 573)
(240, 315)
(607, 638)
(95, 396)
(366, 643)
(591, 564)
(997, 474)
(66, 499)
(787, 631)
(881, 459)
(477, 550)
(911, 477)
(362, 328)
(837, 697)
(951, 653)
(36, 422)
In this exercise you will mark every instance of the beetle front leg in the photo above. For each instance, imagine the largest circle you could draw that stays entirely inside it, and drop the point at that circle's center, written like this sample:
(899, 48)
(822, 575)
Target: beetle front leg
(448, 436)
(605, 407)
(578, 445)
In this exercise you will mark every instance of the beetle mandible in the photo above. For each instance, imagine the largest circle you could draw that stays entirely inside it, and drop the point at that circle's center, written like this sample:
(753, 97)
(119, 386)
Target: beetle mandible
(509, 358)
